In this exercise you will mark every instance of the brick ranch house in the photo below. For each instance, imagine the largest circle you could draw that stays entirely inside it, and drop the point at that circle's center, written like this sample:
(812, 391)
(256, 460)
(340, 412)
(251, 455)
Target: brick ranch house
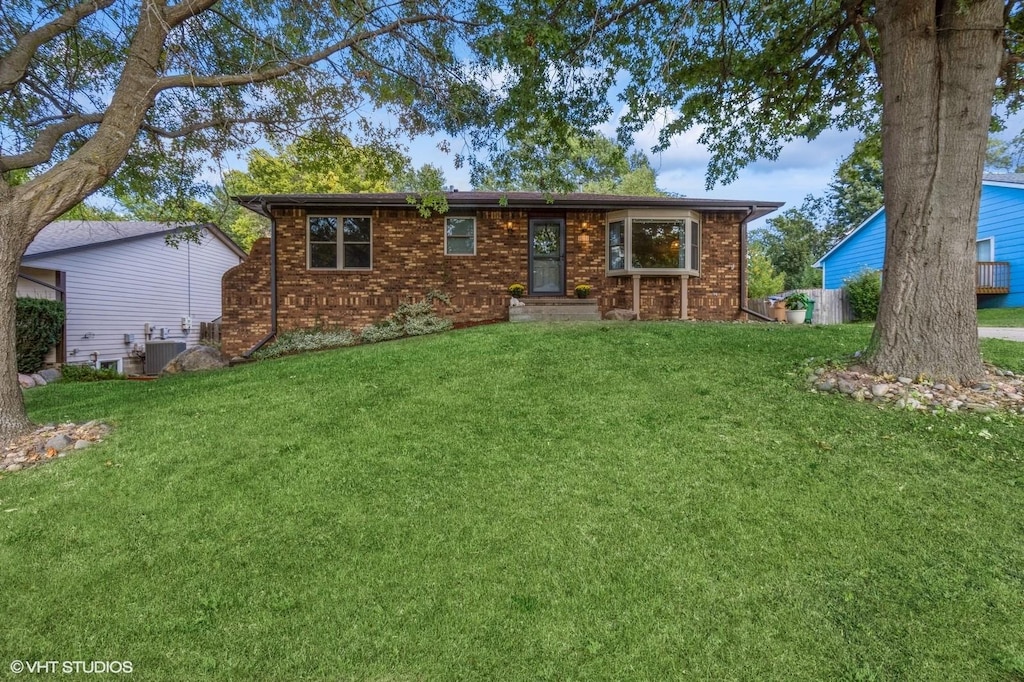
(347, 260)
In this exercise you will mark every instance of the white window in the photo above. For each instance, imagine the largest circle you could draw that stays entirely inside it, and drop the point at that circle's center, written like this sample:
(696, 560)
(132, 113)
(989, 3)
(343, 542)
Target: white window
(116, 365)
(985, 249)
(459, 236)
(641, 242)
(340, 242)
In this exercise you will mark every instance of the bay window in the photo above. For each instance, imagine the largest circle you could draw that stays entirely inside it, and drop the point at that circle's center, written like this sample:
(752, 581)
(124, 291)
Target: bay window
(640, 242)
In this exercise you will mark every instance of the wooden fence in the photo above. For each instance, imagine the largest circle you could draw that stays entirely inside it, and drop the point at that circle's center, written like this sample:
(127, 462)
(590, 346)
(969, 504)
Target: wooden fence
(830, 305)
(209, 332)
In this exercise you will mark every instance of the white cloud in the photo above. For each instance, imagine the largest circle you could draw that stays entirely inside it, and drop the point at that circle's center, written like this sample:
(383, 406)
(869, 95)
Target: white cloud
(803, 167)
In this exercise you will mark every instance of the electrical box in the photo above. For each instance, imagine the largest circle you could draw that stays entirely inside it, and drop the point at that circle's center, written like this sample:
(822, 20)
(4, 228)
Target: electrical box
(165, 332)
(129, 338)
(186, 323)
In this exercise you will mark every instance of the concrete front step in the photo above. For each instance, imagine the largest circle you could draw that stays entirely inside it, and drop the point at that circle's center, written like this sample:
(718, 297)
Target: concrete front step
(554, 310)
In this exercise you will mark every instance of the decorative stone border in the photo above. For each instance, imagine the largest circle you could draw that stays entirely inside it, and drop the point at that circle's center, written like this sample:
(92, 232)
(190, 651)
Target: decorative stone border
(50, 442)
(1000, 391)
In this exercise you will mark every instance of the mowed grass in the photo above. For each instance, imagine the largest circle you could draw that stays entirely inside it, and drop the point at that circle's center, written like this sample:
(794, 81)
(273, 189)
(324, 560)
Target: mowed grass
(1001, 317)
(637, 501)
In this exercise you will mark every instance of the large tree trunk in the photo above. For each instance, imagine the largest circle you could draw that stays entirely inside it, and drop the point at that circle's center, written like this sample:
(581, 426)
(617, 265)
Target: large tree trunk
(13, 420)
(938, 68)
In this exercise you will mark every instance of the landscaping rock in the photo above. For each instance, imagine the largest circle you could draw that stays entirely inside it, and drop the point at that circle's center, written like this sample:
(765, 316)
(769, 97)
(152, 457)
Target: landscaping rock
(40, 381)
(620, 314)
(50, 375)
(993, 393)
(196, 359)
(59, 442)
(49, 443)
(25, 381)
(515, 303)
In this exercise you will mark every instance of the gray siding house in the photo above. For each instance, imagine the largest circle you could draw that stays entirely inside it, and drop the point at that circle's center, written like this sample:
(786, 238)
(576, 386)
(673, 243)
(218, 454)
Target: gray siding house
(123, 285)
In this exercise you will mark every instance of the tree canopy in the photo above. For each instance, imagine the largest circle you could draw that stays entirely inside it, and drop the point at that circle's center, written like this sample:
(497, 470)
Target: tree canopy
(584, 162)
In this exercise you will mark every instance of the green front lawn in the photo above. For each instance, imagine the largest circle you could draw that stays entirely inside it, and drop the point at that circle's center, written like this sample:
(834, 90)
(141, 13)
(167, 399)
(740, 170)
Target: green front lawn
(1001, 317)
(637, 501)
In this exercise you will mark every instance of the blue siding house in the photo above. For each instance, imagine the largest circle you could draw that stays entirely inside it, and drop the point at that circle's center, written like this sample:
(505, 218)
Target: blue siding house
(1000, 245)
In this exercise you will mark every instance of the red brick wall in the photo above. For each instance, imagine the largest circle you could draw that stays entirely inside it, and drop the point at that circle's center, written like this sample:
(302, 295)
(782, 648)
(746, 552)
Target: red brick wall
(409, 261)
(245, 301)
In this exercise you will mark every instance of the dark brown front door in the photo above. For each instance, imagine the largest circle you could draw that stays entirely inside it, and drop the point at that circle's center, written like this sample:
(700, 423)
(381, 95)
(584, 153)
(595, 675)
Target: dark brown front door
(547, 257)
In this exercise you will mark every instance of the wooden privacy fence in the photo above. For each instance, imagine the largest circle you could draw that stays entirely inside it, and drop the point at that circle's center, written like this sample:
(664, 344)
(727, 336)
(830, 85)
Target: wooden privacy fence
(831, 306)
(209, 332)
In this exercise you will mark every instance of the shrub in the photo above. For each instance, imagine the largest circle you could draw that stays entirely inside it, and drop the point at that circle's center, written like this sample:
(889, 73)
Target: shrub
(382, 331)
(798, 301)
(430, 324)
(38, 323)
(303, 340)
(87, 373)
(516, 289)
(411, 318)
(863, 291)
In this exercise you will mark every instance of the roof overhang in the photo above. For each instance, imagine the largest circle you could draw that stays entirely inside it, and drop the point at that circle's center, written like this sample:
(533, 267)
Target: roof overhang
(264, 203)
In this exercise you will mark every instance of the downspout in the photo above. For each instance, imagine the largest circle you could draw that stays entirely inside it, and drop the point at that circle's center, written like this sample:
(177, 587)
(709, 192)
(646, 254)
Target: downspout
(273, 283)
(743, 268)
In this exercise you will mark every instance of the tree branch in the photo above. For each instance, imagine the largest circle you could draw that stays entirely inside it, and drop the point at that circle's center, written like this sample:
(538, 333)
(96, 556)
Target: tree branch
(15, 63)
(176, 14)
(47, 141)
(226, 80)
(187, 130)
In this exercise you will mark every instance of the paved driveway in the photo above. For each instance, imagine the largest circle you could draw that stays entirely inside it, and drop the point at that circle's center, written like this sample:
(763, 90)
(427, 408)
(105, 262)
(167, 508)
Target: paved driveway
(1008, 333)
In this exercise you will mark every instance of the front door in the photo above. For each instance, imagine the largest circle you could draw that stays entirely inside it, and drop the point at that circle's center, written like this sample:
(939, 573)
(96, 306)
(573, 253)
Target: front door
(547, 257)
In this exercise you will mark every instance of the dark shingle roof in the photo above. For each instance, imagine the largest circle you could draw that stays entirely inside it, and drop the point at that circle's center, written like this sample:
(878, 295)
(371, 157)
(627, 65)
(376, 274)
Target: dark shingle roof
(484, 200)
(64, 235)
(70, 234)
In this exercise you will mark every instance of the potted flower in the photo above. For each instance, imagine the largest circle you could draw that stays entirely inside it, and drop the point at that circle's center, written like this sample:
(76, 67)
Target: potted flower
(796, 308)
(582, 290)
(517, 290)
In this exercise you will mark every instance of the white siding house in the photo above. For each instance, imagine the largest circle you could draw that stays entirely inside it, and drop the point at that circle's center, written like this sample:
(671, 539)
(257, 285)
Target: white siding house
(123, 285)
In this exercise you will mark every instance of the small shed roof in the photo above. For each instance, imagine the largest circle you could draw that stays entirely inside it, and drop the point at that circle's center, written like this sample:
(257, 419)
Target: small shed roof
(260, 203)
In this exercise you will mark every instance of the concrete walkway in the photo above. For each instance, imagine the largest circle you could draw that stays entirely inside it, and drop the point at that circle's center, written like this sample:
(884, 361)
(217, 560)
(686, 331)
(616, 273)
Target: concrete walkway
(1008, 333)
